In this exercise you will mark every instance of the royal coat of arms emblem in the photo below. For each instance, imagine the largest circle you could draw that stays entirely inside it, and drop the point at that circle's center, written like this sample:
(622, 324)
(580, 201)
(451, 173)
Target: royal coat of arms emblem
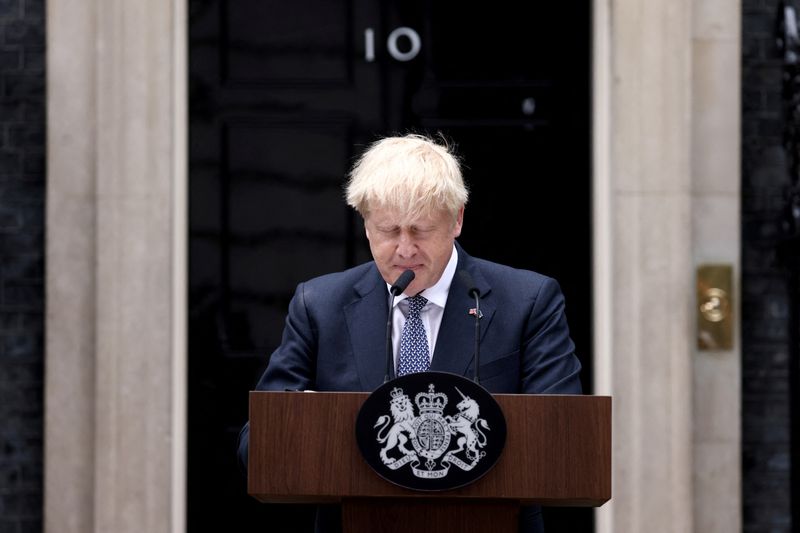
(431, 431)
(438, 441)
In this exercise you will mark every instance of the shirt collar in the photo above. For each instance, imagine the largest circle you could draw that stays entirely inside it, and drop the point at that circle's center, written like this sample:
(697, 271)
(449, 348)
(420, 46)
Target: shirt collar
(438, 293)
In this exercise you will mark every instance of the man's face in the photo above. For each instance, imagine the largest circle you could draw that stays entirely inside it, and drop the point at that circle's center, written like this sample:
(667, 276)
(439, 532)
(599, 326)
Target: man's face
(423, 245)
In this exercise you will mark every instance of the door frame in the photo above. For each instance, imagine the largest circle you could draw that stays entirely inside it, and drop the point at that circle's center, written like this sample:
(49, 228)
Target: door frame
(116, 231)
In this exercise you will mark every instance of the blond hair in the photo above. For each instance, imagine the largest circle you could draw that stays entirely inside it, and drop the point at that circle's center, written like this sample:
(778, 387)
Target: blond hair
(411, 174)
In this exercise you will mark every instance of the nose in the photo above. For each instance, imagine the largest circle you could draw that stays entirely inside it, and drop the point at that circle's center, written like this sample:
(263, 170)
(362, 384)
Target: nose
(406, 246)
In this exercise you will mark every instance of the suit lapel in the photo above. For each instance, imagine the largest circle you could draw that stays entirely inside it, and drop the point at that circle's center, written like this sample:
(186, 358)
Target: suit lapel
(366, 324)
(454, 351)
(455, 345)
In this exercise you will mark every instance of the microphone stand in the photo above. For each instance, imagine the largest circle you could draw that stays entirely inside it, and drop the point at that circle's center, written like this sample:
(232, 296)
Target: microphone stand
(398, 287)
(478, 316)
(473, 291)
(389, 347)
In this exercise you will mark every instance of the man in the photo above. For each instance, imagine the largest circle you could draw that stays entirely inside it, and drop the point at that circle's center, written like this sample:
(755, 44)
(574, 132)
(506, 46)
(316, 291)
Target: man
(411, 195)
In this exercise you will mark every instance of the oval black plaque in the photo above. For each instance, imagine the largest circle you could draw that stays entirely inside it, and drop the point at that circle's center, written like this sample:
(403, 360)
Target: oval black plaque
(431, 431)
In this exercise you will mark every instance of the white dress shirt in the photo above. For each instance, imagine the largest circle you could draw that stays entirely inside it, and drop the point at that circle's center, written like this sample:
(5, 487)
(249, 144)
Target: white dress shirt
(431, 314)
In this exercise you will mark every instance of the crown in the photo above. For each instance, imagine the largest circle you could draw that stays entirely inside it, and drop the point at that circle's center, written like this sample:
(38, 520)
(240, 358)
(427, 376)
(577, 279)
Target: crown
(431, 402)
(397, 393)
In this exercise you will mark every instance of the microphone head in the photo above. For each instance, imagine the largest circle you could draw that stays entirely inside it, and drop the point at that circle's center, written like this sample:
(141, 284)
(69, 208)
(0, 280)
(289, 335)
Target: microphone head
(402, 282)
(467, 280)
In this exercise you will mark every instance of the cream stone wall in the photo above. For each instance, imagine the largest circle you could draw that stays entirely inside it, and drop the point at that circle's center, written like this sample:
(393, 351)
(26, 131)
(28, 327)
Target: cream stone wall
(716, 223)
(116, 281)
(666, 200)
(644, 270)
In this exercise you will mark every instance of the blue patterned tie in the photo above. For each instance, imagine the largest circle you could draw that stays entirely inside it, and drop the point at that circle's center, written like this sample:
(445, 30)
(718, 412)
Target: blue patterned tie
(413, 342)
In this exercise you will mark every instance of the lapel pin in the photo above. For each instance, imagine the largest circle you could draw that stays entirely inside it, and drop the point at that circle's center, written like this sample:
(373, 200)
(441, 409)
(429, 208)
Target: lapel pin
(475, 312)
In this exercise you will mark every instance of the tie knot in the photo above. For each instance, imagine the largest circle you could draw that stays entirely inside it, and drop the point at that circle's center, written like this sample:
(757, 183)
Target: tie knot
(415, 304)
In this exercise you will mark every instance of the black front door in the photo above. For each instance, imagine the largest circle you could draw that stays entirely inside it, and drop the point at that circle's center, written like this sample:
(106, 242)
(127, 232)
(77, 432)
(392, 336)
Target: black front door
(283, 97)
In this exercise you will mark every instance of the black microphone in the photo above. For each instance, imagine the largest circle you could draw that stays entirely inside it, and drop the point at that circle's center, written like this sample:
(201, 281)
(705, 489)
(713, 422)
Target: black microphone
(473, 291)
(397, 289)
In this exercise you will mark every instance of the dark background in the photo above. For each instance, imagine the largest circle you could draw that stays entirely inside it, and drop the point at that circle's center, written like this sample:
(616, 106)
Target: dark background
(282, 101)
(22, 242)
(767, 298)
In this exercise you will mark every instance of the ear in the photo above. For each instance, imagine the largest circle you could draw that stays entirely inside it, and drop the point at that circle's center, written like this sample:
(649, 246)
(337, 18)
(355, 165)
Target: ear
(459, 223)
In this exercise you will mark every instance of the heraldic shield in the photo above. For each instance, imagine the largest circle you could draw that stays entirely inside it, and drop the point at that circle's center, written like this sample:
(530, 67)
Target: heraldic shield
(431, 431)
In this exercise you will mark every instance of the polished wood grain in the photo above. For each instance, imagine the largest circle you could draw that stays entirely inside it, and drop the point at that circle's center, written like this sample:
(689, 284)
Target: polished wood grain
(303, 449)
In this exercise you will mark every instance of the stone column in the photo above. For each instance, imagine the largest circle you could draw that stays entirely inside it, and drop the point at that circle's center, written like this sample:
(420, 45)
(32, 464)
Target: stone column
(666, 107)
(644, 270)
(716, 223)
(116, 266)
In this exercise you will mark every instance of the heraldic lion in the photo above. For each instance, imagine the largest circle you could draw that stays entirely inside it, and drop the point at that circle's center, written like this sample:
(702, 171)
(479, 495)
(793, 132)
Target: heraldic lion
(403, 413)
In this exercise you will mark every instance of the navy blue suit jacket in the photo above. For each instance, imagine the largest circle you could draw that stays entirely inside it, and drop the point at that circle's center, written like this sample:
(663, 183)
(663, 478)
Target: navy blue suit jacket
(334, 339)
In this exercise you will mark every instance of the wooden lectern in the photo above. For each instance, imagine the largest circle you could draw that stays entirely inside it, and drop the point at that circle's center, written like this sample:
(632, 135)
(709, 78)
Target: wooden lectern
(303, 449)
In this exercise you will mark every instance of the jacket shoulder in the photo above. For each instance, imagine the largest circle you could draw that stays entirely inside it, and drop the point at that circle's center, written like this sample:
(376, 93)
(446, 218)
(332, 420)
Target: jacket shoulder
(346, 284)
(515, 278)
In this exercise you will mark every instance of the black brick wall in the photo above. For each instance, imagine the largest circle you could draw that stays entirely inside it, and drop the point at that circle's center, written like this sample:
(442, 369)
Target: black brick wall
(766, 458)
(22, 196)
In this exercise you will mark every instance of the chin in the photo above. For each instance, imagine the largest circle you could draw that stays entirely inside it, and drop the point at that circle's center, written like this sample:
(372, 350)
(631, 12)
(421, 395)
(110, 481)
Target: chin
(415, 288)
